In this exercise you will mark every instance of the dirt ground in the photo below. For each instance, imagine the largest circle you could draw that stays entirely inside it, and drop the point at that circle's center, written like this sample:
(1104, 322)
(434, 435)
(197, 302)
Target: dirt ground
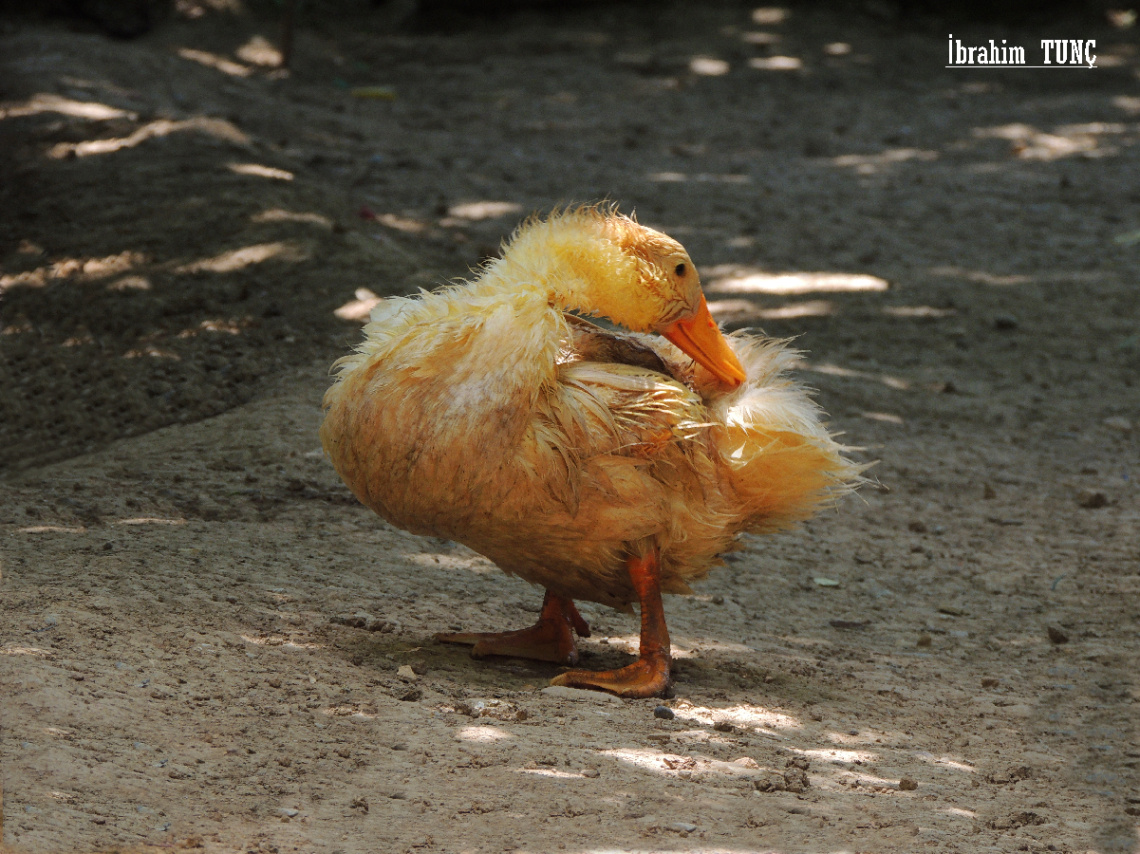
(205, 643)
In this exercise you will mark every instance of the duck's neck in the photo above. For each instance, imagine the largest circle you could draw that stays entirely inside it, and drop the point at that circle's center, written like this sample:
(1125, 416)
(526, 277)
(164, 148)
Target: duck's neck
(575, 262)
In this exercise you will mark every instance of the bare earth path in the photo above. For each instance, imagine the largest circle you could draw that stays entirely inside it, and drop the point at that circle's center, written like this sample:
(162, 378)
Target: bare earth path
(206, 644)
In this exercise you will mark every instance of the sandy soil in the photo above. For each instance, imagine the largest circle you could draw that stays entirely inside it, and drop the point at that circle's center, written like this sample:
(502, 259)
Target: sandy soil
(206, 644)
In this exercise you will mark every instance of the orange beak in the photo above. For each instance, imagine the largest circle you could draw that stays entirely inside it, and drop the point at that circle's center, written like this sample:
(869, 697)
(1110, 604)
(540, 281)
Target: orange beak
(699, 337)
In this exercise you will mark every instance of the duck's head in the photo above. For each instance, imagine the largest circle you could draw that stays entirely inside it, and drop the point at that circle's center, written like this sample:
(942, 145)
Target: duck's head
(639, 278)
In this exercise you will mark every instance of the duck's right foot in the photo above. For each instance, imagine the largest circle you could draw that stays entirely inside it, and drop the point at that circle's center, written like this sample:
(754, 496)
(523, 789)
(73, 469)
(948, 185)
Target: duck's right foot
(550, 639)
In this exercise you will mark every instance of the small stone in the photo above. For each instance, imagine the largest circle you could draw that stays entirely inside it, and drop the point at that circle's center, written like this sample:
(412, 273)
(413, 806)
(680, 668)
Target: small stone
(406, 673)
(988, 492)
(906, 784)
(1118, 423)
(681, 826)
(411, 695)
(1057, 634)
(917, 526)
(924, 640)
(989, 682)
(288, 812)
(663, 712)
(773, 783)
(1092, 499)
(1005, 322)
(591, 773)
(724, 726)
(795, 776)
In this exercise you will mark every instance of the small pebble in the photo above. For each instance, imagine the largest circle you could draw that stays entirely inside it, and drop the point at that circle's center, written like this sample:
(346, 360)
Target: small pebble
(1057, 634)
(1119, 423)
(663, 712)
(989, 682)
(682, 827)
(924, 640)
(591, 772)
(724, 726)
(1005, 322)
(906, 784)
(289, 812)
(1092, 499)
(406, 673)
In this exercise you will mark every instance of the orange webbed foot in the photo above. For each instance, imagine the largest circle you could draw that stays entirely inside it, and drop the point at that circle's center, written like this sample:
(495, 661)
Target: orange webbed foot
(550, 639)
(646, 677)
(649, 675)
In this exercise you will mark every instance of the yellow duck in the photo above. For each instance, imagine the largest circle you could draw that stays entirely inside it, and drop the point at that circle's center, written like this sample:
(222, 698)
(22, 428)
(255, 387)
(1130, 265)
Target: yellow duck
(601, 465)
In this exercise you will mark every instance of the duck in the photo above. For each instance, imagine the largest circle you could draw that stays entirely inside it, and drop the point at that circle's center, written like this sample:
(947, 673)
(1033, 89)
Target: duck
(609, 464)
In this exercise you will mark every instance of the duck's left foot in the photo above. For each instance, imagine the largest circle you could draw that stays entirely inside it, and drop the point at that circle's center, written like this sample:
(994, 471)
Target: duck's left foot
(550, 639)
(646, 677)
(649, 675)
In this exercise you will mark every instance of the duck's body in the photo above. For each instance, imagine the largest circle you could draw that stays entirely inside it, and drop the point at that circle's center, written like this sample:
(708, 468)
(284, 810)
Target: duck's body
(485, 414)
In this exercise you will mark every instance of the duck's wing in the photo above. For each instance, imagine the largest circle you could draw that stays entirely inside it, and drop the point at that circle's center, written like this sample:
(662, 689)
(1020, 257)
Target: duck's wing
(589, 342)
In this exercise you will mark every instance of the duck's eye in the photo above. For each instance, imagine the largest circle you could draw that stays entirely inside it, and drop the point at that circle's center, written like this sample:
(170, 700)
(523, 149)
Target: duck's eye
(681, 269)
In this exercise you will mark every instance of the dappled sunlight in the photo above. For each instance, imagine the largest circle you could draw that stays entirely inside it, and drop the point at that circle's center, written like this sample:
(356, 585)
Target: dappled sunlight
(550, 772)
(360, 307)
(960, 813)
(744, 715)
(897, 383)
(1128, 103)
(280, 641)
(259, 51)
(485, 734)
(737, 279)
(247, 256)
(80, 269)
(871, 164)
(739, 310)
(948, 762)
(768, 16)
(470, 562)
(218, 63)
(833, 756)
(677, 765)
(150, 520)
(1029, 143)
(130, 283)
(46, 102)
(260, 171)
(217, 128)
(282, 215)
(33, 651)
(477, 211)
(885, 417)
(980, 277)
(700, 177)
(151, 352)
(918, 311)
(228, 327)
(776, 63)
(708, 66)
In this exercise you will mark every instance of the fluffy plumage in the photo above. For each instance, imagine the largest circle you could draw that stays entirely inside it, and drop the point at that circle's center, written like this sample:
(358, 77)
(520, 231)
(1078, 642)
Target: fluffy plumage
(485, 413)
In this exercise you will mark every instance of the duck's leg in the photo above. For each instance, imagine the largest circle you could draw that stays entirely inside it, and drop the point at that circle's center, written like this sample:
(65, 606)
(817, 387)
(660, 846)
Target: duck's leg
(649, 675)
(550, 639)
